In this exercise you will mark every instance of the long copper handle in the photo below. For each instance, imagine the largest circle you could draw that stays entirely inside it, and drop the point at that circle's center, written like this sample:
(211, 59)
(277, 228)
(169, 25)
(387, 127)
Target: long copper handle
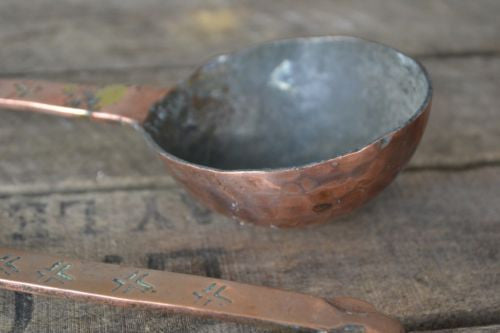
(113, 284)
(120, 103)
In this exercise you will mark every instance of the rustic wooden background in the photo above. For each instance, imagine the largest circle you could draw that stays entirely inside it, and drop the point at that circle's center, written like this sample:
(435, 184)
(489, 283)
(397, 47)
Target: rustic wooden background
(427, 250)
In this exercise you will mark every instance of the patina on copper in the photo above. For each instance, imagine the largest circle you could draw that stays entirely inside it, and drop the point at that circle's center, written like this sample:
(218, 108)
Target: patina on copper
(125, 286)
(287, 133)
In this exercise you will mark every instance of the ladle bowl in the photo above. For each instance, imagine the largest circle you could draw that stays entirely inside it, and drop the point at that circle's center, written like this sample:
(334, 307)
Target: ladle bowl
(287, 133)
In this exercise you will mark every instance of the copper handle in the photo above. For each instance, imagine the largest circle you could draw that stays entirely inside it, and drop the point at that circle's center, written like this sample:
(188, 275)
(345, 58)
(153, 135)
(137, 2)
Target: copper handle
(119, 103)
(113, 284)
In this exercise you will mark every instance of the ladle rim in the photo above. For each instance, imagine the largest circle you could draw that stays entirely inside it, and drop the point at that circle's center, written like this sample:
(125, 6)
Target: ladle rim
(328, 38)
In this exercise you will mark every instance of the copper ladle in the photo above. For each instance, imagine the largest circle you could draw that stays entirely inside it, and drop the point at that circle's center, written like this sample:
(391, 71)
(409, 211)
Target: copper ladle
(112, 284)
(287, 133)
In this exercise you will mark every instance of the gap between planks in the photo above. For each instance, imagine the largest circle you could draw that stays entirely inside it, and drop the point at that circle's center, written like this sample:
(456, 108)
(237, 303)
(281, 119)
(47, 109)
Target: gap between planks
(71, 71)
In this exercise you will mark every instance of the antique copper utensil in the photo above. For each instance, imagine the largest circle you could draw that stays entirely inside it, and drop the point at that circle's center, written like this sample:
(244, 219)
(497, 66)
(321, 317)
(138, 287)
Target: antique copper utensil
(286, 133)
(125, 286)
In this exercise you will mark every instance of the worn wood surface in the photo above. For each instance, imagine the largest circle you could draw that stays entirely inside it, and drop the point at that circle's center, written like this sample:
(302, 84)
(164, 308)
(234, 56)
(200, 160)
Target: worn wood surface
(122, 33)
(426, 250)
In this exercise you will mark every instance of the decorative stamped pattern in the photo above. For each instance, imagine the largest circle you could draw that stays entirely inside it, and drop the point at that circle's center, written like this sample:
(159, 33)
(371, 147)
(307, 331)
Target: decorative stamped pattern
(212, 294)
(57, 272)
(78, 98)
(133, 281)
(7, 264)
(24, 91)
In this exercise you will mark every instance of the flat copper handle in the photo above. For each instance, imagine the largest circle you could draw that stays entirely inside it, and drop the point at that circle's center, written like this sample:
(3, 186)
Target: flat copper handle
(120, 103)
(113, 284)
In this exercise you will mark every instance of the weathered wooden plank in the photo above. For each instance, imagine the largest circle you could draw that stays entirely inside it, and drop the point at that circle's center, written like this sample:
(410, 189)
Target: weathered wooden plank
(464, 126)
(95, 34)
(463, 129)
(425, 251)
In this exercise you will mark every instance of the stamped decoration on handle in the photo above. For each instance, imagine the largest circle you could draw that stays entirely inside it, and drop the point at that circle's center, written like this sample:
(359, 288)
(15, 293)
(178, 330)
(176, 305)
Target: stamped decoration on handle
(7, 264)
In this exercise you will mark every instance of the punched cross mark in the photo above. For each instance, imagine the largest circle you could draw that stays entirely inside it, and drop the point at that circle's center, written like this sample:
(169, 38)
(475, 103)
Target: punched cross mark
(226, 300)
(7, 264)
(209, 294)
(134, 281)
(56, 272)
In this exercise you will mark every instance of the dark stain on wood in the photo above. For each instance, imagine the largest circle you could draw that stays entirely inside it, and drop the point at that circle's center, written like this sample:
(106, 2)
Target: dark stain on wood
(112, 259)
(156, 261)
(30, 218)
(23, 312)
(16, 236)
(200, 261)
(89, 209)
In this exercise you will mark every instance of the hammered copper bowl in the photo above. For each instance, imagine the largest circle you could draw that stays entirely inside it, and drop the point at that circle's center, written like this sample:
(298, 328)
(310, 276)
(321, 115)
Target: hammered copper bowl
(284, 134)
(293, 132)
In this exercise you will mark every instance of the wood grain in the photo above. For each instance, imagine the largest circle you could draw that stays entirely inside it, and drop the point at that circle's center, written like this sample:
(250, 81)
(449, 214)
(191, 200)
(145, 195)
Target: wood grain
(83, 34)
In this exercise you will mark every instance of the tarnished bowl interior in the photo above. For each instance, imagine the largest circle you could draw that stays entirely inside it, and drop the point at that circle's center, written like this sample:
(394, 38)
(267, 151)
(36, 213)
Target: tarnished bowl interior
(289, 103)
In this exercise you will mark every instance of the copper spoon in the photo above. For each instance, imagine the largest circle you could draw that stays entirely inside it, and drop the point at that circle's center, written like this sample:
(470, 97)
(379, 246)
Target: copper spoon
(124, 286)
(284, 134)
